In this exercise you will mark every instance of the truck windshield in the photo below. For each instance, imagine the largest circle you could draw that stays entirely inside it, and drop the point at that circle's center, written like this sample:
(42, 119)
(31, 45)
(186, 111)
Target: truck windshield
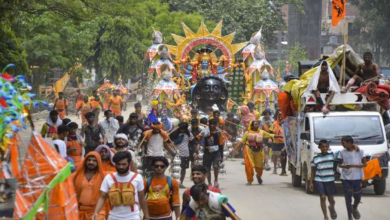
(363, 129)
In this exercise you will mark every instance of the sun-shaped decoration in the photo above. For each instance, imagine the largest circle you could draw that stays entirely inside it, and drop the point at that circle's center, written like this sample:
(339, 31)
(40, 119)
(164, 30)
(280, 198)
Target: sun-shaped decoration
(204, 37)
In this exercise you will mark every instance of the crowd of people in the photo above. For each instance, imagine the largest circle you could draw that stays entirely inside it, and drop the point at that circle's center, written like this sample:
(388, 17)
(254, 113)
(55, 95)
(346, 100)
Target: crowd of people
(111, 184)
(106, 154)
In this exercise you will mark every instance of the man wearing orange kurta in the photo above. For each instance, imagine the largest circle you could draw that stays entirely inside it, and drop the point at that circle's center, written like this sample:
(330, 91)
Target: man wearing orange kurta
(115, 104)
(79, 98)
(106, 154)
(84, 109)
(61, 105)
(74, 144)
(107, 95)
(96, 105)
(87, 181)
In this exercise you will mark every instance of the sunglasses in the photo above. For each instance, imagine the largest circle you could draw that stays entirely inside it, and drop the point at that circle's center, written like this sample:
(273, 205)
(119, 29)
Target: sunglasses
(159, 166)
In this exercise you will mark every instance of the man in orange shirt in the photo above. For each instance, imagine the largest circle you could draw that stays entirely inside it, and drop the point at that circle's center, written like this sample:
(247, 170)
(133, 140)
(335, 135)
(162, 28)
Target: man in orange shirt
(61, 105)
(162, 192)
(96, 105)
(87, 181)
(278, 149)
(74, 144)
(115, 104)
(79, 98)
(84, 108)
(106, 154)
(107, 95)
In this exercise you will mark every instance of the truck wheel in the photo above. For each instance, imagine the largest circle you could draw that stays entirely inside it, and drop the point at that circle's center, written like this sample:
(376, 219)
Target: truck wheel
(380, 186)
(295, 179)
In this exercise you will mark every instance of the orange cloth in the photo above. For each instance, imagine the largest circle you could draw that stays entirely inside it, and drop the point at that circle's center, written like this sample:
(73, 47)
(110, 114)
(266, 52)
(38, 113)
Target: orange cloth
(108, 167)
(148, 134)
(338, 11)
(284, 104)
(249, 166)
(60, 107)
(160, 207)
(79, 100)
(95, 104)
(79, 104)
(277, 131)
(372, 169)
(43, 160)
(85, 108)
(74, 145)
(115, 105)
(221, 122)
(107, 96)
(88, 193)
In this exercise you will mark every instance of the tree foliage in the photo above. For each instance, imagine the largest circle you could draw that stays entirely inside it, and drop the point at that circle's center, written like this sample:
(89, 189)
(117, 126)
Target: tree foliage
(372, 25)
(242, 16)
(294, 54)
(111, 36)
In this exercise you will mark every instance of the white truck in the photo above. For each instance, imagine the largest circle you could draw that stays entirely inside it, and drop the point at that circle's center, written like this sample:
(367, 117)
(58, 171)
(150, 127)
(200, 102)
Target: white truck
(302, 134)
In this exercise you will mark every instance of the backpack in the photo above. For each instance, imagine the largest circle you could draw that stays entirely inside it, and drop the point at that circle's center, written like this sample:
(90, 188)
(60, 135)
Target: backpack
(122, 193)
(161, 203)
(169, 180)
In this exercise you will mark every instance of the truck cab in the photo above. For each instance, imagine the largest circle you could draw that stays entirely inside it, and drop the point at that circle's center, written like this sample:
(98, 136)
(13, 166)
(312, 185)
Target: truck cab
(303, 133)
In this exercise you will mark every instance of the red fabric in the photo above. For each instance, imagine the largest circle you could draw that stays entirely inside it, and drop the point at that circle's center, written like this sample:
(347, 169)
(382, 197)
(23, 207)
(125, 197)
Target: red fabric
(8, 77)
(376, 93)
(3, 102)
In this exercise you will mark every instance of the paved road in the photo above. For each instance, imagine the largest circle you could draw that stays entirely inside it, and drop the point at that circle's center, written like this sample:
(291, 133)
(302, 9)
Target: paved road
(276, 199)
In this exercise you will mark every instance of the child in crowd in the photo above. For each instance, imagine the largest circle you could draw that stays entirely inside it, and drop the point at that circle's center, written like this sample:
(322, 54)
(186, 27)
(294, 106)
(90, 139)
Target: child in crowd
(352, 162)
(322, 175)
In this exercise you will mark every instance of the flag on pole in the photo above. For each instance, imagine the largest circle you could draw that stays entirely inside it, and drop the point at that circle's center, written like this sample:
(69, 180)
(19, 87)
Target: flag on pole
(229, 104)
(338, 11)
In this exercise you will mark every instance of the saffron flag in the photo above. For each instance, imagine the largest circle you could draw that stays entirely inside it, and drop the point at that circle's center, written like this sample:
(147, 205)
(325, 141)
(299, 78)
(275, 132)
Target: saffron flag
(338, 11)
(229, 105)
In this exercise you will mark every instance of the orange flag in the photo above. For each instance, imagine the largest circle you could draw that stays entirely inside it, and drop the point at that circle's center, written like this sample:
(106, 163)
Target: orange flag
(229, 105)
(338, 11)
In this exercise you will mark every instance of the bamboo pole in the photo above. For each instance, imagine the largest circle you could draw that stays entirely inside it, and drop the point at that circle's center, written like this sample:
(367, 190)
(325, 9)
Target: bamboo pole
(140, 144)
(232, 215)
(345, 39)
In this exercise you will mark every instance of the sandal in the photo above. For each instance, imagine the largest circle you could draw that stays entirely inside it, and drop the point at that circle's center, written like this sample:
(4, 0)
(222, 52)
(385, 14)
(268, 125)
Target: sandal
(259, 180)
(333, 213)
(283, 174)
(216, 184)
(248, 184)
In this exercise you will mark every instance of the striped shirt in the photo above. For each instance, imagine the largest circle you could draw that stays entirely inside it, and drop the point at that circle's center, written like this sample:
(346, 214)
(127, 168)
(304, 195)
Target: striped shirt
(324, 167)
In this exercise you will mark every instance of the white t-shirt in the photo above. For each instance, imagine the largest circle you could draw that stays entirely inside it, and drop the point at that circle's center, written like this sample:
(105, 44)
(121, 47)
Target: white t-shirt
(351, 158)
(155, 146)
(124, 212)
(184, 150)
(110, 127)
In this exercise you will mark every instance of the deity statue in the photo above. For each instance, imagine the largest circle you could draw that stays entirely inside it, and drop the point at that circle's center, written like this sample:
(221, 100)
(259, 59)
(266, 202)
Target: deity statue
(209, 91)
(163, 60)
(266, 93)
(180, 108)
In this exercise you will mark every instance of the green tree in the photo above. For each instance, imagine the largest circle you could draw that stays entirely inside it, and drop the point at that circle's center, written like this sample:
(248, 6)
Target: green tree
(294, 54)
(242, 16)
(123, 36)
(371, 26)
(110, 36)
